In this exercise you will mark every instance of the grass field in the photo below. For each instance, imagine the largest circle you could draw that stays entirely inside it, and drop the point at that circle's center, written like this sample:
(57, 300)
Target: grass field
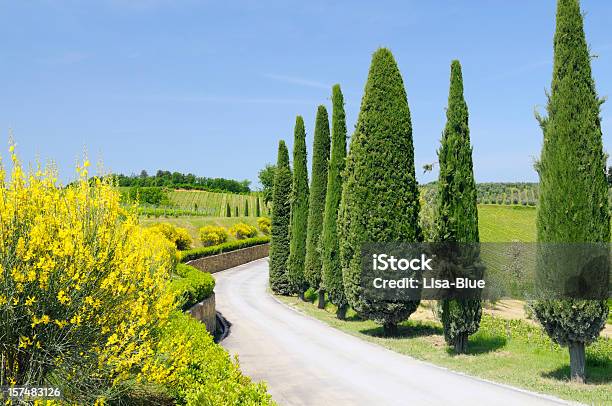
(498, 223)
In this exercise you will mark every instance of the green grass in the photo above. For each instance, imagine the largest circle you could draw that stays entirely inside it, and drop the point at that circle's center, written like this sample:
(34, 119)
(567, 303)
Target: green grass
(508, 351)
(194, 223)
(498, 223)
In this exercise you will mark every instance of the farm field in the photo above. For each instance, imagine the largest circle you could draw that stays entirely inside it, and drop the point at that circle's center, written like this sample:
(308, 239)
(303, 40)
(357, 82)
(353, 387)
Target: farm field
(498, 223)
(213, 202)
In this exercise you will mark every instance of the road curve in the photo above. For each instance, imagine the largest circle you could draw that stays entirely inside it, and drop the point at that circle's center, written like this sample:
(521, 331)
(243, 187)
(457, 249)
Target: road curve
(306, 362)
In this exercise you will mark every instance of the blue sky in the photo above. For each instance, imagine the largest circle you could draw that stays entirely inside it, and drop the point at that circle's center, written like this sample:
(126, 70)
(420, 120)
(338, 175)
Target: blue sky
(209, 87)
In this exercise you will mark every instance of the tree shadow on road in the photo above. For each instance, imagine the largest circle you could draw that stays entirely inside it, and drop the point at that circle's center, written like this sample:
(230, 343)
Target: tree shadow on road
(410, 329)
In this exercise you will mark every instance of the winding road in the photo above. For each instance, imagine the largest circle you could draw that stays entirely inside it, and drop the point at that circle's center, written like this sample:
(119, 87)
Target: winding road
(306, 362)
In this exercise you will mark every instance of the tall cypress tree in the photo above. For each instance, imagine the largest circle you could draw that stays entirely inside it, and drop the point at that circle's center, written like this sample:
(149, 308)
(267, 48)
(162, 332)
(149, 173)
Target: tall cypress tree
(236, 211)
(279, 233)
(246, 207)
(457, 214)
(380, 198)
(316, 203)
(330, 250)
(228, 210)
(257, 207)
(299, 212)
(573, 204)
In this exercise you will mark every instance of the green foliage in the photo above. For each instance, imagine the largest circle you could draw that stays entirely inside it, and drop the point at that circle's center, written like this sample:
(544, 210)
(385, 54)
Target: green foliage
(228, 210)
(178, 180)
(573, 203)
(177, 235)
(236, 211)
(246, 208)
(242, 231)
(330, 250)
(196, 253)
(156, 196)
(213, 235)
(266, 178)
(190, 286)
(380, 198)
(203, 372)
(279, 234)
(299, 212)
(265, 225)
(457, 214)
(320, 160)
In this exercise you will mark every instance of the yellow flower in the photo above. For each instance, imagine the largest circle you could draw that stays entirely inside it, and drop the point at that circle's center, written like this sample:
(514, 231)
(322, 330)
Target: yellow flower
(30, 301)
(62, 297)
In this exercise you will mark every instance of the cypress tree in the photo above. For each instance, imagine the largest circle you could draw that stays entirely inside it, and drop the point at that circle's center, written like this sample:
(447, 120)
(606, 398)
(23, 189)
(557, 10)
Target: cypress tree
(457, 214)
(228, 210)
(279, 233)
(330, 250)
(316, 206)
(573, 205)
(380, 198)
(246, 207)
(299, 212)
(257, 208)
(236, 211)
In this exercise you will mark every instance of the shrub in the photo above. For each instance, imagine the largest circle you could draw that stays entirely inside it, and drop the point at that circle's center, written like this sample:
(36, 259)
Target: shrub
(190, 286)
(242, 231)
(87, 286)
(196, 253)
(213, 235)
(264, 224)
(200, 372)
(177, 235)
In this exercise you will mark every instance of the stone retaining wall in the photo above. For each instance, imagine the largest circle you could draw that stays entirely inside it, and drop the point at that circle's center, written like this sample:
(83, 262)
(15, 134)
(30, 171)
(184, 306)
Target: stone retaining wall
(205, 312)
(226, 260)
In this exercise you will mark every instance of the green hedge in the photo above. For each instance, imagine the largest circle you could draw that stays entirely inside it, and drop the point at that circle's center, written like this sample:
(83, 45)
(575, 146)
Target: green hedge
(191, 286)
(210, 376)
(196, 253)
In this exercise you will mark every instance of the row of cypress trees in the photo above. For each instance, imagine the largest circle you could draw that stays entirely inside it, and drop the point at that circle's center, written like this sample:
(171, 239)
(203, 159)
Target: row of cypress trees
(372, 195)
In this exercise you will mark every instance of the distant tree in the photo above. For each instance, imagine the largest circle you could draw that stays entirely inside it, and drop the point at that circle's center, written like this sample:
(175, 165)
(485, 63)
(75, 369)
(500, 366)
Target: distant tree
(266, 178)
(330, 250)
(380, 198)
(573, 191)
(228, 210)
(246, 208)
(456, 218)
(609, 177)
(257, 207)
(299, 212)
(316, 203)
(144, 174)
(279, 233)
(236, 211)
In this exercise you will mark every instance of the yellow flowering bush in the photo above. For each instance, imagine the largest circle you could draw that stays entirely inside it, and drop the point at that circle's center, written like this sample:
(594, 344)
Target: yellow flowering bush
(242, 231)
(212, 235)
(83, 289)
(264, 224)
(178, 235)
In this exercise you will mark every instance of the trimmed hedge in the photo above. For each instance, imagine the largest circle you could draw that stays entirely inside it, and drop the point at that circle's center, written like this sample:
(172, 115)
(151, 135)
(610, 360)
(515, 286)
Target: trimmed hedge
(191, 286)
(196, 253)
